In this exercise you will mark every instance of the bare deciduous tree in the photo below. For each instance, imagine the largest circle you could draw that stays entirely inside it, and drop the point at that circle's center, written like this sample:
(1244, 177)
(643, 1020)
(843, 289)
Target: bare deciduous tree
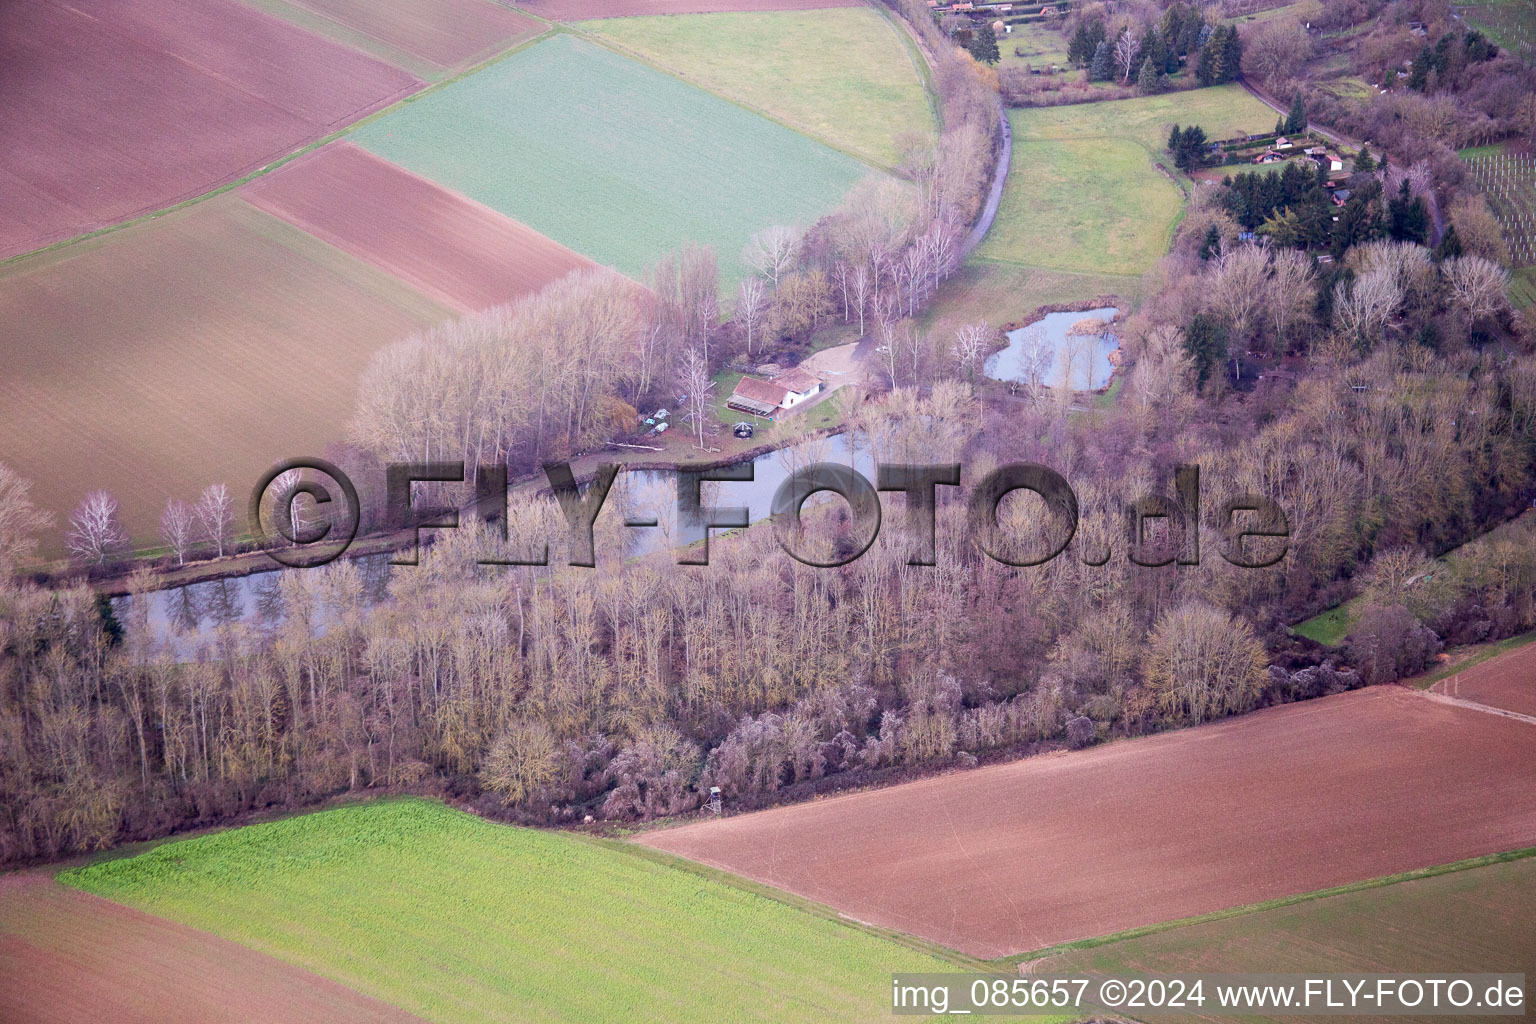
(176, 524)
(1362, 310)
(216, 516)
(772, 250)
(20, 520)
(970, 341)
(693, 376)
(1127, 47)
(750, 303)
(1034, 363)
(1477, 285)
(859, 282)
(96, 531)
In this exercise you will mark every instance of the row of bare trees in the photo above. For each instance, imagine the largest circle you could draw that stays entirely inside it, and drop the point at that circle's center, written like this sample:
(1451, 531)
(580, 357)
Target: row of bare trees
(628, 690)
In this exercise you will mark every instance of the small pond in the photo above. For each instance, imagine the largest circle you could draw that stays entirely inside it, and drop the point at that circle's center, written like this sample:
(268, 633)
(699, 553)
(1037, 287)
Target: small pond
(1056, 352)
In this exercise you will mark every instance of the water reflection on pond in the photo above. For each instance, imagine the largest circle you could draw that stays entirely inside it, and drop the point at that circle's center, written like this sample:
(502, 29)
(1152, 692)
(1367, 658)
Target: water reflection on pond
(1052, 351)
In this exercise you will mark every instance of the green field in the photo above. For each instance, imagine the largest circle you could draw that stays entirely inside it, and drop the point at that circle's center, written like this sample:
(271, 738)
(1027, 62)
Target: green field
(459, 919)
(1095, 205)
(1083, 191)
(843, 75)
(612, 158)
(1222, 110)
(1332, 626)
(1002, 293)
(1476, 919)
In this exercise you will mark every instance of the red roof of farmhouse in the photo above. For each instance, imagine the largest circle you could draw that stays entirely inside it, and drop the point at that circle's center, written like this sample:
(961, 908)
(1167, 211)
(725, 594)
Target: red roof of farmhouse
(764, 391)
(797, 380)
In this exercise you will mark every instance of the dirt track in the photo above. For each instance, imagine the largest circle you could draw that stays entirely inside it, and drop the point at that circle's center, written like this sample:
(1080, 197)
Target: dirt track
(459, 252)
(1508, 682)
(576, 10)
(67, 957)
(1025, 855)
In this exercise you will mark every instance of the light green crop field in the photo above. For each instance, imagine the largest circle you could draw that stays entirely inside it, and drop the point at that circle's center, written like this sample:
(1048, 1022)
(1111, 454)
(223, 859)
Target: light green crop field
(611, 158)
(1083, 192)
(458, 919)
(1476, 919)
(843, 75)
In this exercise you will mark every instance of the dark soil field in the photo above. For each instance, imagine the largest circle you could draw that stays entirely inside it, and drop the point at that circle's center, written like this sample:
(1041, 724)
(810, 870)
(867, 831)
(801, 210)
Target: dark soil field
(459, 252)
(200, 347)
(448, 33)
(1508, 682)
(114, 108)
(575, 10)
(68, 957)
(1022, 856)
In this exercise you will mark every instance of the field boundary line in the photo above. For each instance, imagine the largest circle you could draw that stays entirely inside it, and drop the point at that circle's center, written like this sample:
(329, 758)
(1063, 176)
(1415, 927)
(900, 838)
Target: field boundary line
(640, 58)
(230, 186)
(1472, 705)
(1472, 863)
(789, 899)
(1495, 649)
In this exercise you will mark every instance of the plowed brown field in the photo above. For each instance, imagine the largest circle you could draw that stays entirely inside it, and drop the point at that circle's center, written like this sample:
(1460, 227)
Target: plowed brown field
(464, 254)
(448, 33)
(67, 957)
(197, 348)
(1050, 849)
(112, 108)
(575, 10)
(1507, 681)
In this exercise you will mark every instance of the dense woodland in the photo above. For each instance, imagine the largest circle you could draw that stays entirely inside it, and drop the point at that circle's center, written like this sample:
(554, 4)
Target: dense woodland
(1386, 401)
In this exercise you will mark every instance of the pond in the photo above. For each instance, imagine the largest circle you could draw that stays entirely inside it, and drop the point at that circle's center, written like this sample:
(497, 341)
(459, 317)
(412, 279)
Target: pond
(1052, 351)
(192, 613)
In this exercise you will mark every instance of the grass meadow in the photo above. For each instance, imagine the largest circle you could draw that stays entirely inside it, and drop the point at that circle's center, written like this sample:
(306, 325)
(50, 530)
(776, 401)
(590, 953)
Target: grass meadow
(843, 75)
(985, 291)
(1091, 205)
(458, 919)
(1083, 192)
(1472, 919)
(616, 160)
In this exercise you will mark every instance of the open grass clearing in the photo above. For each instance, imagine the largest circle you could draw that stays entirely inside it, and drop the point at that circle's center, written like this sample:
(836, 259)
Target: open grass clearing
(983, 291)
(196, 348)
(458, 919)
(1090, 205)
(1084, 191)
(613, 159)
(1222, 110)
(842, 75)
(1041, 42)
